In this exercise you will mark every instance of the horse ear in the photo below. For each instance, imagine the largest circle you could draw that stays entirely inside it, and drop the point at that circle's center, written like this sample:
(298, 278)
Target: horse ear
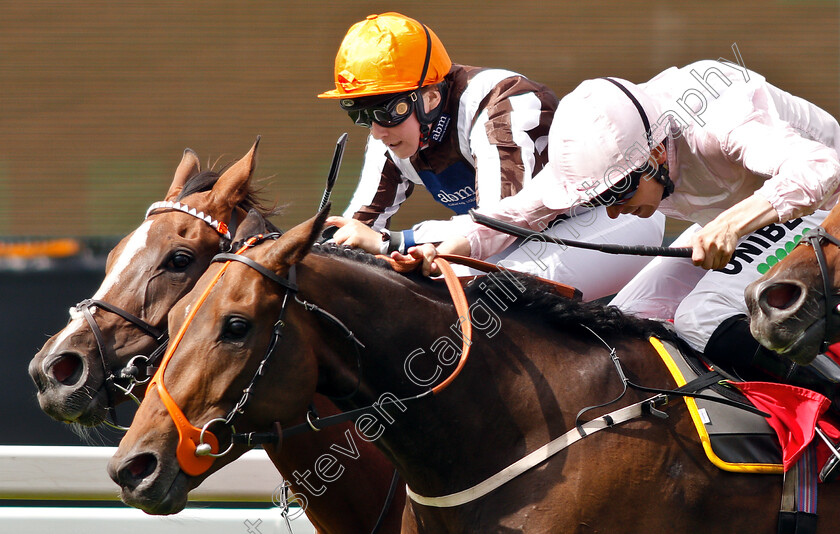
(189, 167)
(253, 224)
(295, 244)
(232, 186)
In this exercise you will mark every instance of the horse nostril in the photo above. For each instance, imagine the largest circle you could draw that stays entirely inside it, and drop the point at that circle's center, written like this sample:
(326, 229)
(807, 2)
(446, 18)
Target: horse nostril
(67, 369)
(136, 470)
(39, 382)
(781, 296)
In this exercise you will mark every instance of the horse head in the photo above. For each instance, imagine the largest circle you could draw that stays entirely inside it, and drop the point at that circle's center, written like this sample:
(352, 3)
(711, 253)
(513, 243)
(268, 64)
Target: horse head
(794, 307)
(216, 374)
(77, 372)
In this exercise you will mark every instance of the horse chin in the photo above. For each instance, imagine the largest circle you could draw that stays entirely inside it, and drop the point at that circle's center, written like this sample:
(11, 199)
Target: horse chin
(164, 494)
(800, 345)
(83, 405)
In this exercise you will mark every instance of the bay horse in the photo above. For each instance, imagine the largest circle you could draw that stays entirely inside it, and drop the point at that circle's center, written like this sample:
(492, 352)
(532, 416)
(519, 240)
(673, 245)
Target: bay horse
(794, 306)
(78, 371)
(256, 338)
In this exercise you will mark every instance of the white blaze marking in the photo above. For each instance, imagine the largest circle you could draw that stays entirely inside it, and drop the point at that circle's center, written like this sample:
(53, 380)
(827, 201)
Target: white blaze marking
(70, 329)
(134, 245)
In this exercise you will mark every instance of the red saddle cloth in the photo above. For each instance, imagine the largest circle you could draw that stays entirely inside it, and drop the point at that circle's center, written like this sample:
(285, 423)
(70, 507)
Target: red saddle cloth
(794, 413)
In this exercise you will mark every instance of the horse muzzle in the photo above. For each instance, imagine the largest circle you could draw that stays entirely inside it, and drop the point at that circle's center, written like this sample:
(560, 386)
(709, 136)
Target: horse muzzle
(786, 317)
(147, 483)
(67, 390)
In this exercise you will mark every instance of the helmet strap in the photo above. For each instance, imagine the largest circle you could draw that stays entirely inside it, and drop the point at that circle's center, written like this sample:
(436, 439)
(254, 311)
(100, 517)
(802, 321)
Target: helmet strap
(428, 118)
(660, 173)
(428, 57)
(419, 106)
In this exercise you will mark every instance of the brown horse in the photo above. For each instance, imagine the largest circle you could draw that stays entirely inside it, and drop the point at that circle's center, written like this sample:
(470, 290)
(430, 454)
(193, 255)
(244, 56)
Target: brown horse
(794, 306)
(78, 370)
(537, 360)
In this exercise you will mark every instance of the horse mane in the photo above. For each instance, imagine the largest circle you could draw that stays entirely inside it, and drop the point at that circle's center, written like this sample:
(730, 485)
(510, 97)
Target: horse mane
(354, 254)
(537, 299)
(205, 180)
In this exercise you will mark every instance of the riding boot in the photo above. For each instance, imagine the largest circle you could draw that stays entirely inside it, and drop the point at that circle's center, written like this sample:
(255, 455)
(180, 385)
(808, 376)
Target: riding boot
(733, 348)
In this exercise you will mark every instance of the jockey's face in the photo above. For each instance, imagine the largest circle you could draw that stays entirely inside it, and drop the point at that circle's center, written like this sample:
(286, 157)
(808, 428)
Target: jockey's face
(648, 195)
(404, 138)
(644, 201)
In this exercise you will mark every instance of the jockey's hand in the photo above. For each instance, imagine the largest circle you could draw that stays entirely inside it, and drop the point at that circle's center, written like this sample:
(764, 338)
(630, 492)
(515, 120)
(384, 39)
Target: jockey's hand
(713, 245)
(428, 252)
(353, 233)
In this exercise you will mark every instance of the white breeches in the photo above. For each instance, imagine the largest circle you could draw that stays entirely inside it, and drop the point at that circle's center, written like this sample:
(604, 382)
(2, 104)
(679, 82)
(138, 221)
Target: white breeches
(596, 274)
(699, 300)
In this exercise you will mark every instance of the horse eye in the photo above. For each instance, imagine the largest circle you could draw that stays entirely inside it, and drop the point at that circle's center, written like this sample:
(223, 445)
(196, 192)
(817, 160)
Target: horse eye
(179, 260)
(235, 328)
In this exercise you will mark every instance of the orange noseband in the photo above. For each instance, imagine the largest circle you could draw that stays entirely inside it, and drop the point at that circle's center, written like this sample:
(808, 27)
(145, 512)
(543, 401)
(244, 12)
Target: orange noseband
(193, 461)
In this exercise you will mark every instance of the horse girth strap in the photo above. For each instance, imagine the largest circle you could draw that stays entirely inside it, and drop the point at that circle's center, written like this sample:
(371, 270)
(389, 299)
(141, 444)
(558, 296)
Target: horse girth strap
(538, 456)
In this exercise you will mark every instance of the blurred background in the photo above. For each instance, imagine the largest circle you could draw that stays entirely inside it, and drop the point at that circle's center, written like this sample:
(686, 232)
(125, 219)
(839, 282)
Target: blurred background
(98, 100)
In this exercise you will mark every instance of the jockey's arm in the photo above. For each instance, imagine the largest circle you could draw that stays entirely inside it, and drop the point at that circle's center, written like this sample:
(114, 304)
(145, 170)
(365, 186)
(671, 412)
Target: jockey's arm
(715, 243)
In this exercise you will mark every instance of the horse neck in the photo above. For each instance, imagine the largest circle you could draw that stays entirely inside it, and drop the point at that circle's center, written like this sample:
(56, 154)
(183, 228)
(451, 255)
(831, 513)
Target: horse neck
(483, 421)
(385, 311)
(523, 385)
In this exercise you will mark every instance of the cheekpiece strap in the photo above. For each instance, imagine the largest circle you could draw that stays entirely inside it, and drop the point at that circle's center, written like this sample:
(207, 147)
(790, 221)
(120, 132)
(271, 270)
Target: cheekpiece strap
(219, 226)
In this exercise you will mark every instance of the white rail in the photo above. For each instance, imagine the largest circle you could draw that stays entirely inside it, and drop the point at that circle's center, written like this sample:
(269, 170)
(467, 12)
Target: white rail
(42, 520)
(78, 473)
(51, 473)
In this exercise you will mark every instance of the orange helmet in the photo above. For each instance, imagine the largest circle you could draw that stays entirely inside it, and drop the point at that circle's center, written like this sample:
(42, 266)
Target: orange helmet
(387, 53)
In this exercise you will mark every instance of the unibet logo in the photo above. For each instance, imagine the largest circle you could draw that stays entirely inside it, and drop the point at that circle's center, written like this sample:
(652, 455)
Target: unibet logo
(780, 254)
(761, 243)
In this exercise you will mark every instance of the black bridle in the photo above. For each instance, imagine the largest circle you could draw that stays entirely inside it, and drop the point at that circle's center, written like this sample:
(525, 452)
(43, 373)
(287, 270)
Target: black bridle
(816, 237)
(127, 377)
(291, 289)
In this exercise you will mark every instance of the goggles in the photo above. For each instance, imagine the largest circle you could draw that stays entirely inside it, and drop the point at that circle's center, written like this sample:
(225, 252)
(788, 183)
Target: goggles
(388, 114)
(625, 188)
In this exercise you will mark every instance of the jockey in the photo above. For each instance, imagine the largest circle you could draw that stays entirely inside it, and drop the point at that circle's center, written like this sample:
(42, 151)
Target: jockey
(711, 143)
(470, 135)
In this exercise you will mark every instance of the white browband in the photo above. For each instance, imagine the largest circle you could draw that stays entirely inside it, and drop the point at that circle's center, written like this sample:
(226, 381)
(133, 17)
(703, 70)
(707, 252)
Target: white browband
(219, 226)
